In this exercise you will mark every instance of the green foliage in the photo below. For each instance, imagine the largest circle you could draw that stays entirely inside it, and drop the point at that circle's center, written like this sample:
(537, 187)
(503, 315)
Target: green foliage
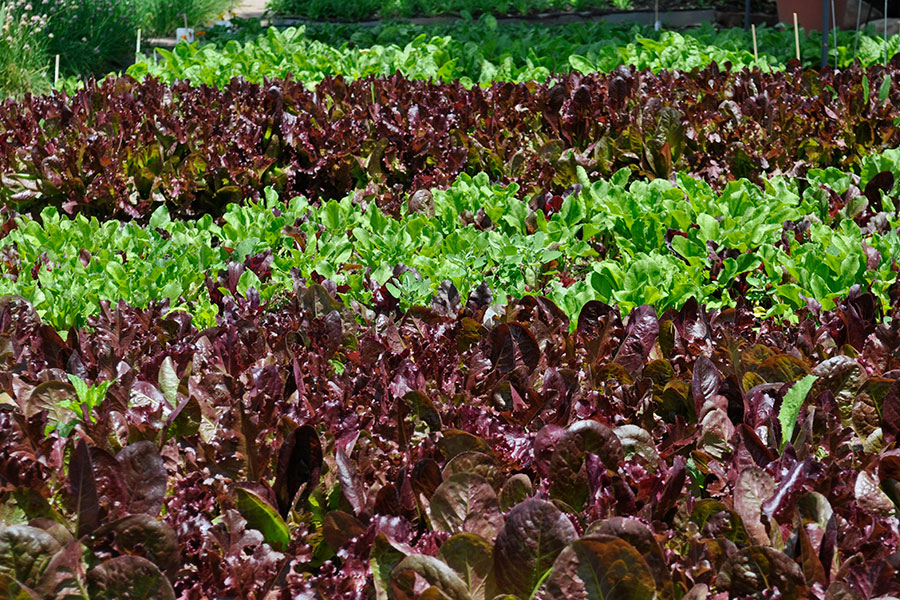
(264, 518)
(23, 50)
(154, 268)
(607, 243)
(289, 54)
(610, 45)
(237, 29)
(91, 36)
(484, 51)
(791, 405)
(355, 10)
(87, 398)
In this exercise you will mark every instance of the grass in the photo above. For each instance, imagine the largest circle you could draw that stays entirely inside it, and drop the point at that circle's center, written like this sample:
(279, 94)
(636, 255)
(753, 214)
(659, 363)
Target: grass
(23, 50)
(91, 36)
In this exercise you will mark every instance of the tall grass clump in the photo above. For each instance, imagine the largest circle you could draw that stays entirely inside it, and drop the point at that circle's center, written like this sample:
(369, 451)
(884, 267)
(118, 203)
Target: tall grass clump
(24, 57)
(91, 36)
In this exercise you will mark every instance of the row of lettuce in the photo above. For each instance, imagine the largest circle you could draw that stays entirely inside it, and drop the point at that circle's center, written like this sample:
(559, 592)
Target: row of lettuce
(360, 10)
(93, 38)
(122, 148)
(483, 52)
(305, 449)
(775, 248)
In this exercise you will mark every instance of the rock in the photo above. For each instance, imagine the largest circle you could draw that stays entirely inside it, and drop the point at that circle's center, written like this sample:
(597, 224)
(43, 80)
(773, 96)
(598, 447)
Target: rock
(867, 12)
(893, 26)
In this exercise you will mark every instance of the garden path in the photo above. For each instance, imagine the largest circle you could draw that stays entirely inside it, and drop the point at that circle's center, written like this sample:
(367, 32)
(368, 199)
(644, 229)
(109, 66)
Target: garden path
(247, 9)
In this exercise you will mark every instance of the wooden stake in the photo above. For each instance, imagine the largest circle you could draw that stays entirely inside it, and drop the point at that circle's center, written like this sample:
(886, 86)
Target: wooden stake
(56, 70)
(656, 23)
(796, 36)
(138, 48)
(755, 49)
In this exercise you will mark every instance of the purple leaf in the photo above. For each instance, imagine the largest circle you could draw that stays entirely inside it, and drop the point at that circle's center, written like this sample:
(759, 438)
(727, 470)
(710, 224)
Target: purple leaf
(758, 568)
(351, 483)
(533, 536)
(753, 487)
(25, 552)
(571, 480)
(145, 477)
(299, 466)
(642, 539)
(437, 573)
(81, 481)
(466, 503)
(672, 489)
(128, 578)
(599, 566)
(890, 413)
(789, 486)
(640, 336)
(151, 538)
(705, 383)
(512, 343)
(883, 182)
(339, 527)
(470, 557)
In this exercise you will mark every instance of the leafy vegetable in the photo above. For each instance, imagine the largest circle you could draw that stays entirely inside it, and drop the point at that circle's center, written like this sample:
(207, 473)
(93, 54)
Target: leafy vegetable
(122, 148)
(534, 535)
(404, 455)
(791, 405)
(263, 517)
(362, 9)
(485, 51)
(599, 567)
(86, 400)
(618, 243)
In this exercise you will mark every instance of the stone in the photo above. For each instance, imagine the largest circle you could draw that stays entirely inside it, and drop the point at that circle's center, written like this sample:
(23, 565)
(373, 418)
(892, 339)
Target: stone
(866, 10)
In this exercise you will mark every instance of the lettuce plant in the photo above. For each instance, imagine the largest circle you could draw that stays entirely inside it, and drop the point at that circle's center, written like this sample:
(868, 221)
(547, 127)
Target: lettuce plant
(471, 449)
(655, 243)
(122, 148)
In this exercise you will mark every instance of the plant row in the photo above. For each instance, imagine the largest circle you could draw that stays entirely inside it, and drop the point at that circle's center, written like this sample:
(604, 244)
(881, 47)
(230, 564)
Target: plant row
(608, 44)
(360, 10)
(775, 248)
(122, 148)
(460, 450)
(484, 52)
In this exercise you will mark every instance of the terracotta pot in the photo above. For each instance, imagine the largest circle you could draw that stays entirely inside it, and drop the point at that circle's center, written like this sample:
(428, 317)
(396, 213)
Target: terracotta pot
(809, 13)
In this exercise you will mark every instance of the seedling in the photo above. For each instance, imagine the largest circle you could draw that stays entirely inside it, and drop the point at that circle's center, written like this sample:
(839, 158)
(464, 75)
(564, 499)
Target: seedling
(87, 398)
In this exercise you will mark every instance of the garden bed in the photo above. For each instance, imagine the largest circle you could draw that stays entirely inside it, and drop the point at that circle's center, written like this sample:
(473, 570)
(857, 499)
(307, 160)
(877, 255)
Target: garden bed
(475, 311)
(548, 11)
